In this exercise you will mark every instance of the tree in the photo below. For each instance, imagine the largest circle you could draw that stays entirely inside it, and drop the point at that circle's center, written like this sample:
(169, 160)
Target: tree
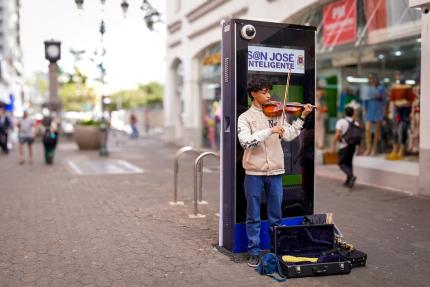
(150, 94)
(154, 93)
(76, 97)
(74, 93)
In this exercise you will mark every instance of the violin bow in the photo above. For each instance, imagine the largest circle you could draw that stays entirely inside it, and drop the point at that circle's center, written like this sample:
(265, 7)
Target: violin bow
(285, 96)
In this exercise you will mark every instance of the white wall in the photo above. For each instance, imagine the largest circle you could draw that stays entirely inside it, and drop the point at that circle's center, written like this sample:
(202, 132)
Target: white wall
(424, 179)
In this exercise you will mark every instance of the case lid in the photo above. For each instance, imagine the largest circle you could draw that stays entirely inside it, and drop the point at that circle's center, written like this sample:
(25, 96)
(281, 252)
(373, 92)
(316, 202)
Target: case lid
(304, 239)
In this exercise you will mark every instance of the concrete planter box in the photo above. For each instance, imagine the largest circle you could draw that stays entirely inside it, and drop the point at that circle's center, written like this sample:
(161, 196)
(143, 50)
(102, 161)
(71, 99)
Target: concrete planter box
(87, 137)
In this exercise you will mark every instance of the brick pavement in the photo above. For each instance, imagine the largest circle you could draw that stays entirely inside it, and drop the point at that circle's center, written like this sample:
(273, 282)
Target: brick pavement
(58, 228)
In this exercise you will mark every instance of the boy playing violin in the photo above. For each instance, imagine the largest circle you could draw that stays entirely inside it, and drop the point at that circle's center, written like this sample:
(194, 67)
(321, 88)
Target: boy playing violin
(263, 160)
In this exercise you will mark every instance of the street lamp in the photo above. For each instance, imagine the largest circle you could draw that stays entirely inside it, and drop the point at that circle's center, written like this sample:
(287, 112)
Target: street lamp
(151, 16)
(102, 28)
(79, 3)
(124, 7)
(53, 54)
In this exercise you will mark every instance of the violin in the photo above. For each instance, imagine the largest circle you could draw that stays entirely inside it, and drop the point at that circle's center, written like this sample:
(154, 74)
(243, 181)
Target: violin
(276, 109)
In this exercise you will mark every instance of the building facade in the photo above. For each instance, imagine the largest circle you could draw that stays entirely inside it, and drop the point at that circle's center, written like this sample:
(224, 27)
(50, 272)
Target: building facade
(192, 110)
(354, 38)
(11, 84)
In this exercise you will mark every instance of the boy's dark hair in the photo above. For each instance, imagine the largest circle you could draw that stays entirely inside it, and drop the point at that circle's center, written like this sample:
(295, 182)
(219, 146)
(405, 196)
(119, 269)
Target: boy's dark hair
(349, 111)
(256, 84)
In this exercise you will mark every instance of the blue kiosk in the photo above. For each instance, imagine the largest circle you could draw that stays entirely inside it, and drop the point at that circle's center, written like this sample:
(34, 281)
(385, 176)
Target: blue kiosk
(252, 48)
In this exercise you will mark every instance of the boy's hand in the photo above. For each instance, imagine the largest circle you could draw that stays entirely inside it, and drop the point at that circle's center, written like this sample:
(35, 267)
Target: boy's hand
(307, 110)
(277, 130)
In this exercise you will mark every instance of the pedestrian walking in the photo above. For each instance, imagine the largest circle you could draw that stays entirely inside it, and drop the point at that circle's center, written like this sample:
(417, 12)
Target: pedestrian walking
(26, 137)
(263, 161)
(146, 118)
(133, 123)
(345, 127)
(49, 138)
(5, 126)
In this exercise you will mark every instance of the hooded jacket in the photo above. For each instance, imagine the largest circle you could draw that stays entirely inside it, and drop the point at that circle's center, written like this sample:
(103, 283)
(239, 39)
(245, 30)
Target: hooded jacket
(263, 150)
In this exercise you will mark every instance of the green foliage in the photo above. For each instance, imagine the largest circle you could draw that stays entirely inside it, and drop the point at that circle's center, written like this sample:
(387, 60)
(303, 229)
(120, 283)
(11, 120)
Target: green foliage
(90, 123)
(150, 94)
(76, 97)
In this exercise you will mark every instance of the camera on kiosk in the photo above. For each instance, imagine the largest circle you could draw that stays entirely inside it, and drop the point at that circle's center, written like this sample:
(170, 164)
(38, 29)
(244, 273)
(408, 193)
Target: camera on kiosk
(248, 32)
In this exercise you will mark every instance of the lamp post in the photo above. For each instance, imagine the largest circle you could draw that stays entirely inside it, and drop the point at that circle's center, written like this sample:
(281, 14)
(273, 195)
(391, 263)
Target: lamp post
(79, 4)
(105, 123)
(151, 15)
(124, 7)
(53, 54)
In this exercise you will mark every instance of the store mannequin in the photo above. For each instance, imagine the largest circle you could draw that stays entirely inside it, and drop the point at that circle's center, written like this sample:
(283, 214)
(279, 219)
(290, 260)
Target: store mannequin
(374, 109)
(401, 98)
(414, 131)
(321, 115)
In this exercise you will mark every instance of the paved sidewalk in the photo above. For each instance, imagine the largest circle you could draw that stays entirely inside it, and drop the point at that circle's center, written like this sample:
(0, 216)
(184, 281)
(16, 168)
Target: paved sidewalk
(61, 228)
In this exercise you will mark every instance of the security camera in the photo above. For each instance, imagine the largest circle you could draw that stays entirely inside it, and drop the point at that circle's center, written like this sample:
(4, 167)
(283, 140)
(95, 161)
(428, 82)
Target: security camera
(248, 32)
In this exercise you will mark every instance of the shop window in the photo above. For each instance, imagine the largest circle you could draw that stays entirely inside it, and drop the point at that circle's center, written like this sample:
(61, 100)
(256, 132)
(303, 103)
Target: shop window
(346, 68)
(210, 94)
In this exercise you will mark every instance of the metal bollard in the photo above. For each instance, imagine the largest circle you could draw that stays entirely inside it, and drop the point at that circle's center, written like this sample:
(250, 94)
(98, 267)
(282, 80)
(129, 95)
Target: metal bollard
(200, 184)
(197, 165)
(175, 173)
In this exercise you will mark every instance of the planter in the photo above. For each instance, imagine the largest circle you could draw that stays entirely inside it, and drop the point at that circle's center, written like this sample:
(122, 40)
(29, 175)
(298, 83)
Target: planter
(87, 137)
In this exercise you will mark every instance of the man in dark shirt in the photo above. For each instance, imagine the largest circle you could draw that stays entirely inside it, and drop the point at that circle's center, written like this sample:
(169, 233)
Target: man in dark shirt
(5, 125)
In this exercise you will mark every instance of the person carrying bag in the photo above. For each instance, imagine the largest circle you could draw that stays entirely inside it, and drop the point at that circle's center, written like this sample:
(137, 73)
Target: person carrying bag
(49, 139)
(349, 135)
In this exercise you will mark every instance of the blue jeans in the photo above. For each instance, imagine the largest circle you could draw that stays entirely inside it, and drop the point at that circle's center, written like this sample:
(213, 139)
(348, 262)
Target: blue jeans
(134, 132)
(255, 185)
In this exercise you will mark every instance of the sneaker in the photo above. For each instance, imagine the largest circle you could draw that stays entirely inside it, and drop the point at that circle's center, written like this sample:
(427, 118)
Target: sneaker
(253, 261)
(347, 181)
(352, 182)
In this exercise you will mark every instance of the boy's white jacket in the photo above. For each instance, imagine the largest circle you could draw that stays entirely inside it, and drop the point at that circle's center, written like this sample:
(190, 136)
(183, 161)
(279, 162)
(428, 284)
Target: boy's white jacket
(263, 150)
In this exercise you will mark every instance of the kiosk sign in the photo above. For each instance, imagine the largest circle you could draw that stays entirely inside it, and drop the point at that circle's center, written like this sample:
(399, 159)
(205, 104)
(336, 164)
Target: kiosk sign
(276, 60)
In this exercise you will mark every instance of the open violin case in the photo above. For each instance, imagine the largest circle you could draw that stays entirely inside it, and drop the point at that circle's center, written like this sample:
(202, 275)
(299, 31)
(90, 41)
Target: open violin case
(317, 239)
(316, 242)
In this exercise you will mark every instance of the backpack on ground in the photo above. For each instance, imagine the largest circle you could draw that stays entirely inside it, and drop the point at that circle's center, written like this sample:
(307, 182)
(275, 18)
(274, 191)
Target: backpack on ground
(269, 265)
(353, 134)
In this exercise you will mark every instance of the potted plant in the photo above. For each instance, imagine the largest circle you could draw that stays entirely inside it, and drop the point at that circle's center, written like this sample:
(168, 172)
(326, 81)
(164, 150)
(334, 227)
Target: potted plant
(88, 135)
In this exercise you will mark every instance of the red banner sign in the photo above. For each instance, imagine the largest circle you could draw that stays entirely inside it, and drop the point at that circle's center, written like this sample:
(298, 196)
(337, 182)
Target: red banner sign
(376, 14)
(340, 22)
